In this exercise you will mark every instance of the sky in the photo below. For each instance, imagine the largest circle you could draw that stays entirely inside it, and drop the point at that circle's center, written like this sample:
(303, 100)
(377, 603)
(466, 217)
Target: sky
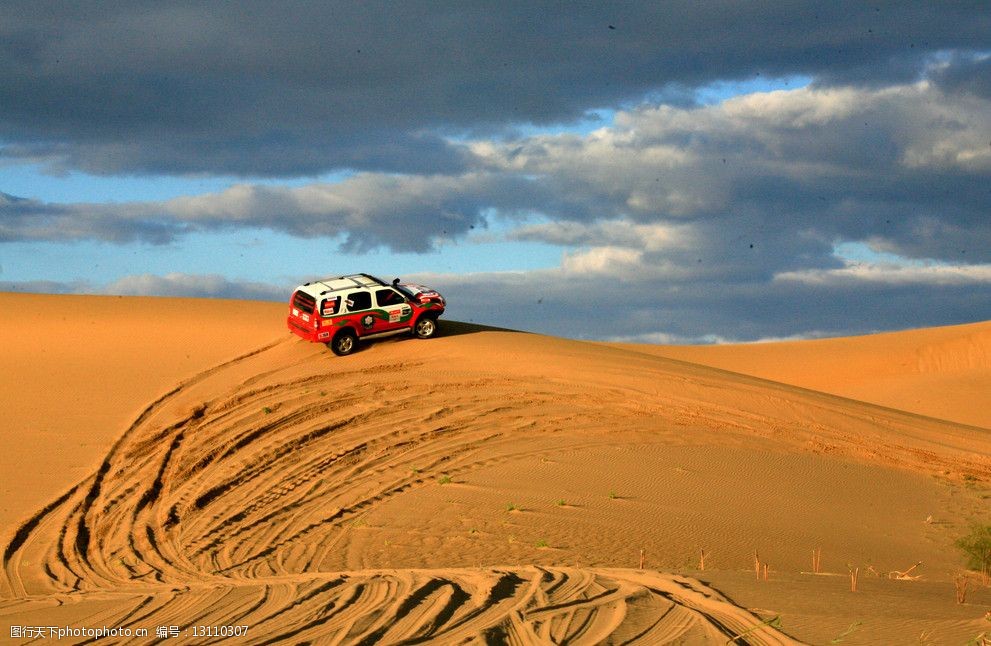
(677, 172)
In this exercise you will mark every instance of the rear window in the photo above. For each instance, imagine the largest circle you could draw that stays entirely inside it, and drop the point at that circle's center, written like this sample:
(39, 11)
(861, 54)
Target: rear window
(330, 306)
(304, 302)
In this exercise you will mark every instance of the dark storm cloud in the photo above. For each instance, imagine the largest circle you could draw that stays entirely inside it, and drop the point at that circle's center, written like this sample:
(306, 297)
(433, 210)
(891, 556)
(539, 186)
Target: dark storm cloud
(966, 74)
(301, 88)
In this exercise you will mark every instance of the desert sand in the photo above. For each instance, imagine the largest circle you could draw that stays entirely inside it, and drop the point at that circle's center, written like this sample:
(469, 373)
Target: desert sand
(938, 372)
(176, 463)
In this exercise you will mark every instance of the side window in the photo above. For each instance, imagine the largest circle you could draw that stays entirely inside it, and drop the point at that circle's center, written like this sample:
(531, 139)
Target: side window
(386, 297)
(359, 301)
(330, 306)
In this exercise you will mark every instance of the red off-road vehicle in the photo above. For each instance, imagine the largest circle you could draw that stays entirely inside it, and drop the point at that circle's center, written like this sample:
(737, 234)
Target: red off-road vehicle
(339, 311)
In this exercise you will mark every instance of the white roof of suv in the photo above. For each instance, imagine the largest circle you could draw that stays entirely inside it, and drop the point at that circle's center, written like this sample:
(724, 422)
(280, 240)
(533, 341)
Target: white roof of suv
(353, 281)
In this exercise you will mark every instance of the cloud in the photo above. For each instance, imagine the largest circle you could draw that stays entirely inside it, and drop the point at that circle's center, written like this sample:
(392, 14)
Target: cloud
(647, 237)
(297, 91)
(740, 191)
(198, 286)
(590, 306)
(889, 274)
(47, 287)
(964, 74)
(173, 284)
(792, 172)
(24, 219)
(367, 211)
(610, 261)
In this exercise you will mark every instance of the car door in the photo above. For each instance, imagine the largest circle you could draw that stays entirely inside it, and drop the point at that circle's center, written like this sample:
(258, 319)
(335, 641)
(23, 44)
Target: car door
(358, 305)
(396, 311)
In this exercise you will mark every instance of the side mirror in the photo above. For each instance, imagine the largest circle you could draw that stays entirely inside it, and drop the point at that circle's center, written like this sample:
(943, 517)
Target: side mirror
(395, 281)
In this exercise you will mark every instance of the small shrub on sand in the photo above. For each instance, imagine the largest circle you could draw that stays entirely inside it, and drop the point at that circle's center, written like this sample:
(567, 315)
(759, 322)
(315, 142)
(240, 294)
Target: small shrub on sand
(511, 507)
(444, 479)
(977, 547)
(560, 502)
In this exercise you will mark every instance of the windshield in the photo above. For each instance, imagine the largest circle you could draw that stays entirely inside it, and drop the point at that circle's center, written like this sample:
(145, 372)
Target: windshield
(405, 291)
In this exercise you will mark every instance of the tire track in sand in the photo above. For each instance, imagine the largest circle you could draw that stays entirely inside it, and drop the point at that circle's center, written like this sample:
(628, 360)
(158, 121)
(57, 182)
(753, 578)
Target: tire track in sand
(497, 605)
(216, 481)
(233, 482)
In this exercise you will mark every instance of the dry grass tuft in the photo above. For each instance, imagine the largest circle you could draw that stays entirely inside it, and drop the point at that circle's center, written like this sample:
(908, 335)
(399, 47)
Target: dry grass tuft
(962, 585)
(905, 575)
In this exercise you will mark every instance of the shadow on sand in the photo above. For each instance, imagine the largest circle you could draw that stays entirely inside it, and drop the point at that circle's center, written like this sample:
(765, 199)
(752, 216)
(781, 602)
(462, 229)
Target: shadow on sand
(458, 328)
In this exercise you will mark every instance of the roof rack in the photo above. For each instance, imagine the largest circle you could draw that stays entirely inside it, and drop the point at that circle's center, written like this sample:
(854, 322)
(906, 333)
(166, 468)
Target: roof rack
(355, 280)
(375, 279)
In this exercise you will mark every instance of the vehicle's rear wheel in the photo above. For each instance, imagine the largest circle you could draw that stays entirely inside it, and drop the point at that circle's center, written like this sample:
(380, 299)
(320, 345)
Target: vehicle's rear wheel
(426, 327)
(345, 342)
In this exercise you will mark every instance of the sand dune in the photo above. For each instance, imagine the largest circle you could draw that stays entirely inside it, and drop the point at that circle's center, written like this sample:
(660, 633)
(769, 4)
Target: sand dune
(940, 372)
(493, 485)
(78, 369)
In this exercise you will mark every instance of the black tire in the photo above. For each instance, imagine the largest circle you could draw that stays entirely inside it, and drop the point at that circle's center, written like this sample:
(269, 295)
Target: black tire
(425, 327)
(344, 343)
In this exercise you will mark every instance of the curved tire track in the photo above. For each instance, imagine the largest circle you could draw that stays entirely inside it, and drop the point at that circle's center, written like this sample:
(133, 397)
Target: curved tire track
(238, 480)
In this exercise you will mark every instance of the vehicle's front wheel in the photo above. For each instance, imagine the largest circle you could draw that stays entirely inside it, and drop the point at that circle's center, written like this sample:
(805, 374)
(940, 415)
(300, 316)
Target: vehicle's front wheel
(345, 342)
(426, 327)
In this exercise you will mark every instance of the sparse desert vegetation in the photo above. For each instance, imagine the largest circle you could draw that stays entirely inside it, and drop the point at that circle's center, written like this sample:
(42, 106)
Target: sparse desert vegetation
(977, 547)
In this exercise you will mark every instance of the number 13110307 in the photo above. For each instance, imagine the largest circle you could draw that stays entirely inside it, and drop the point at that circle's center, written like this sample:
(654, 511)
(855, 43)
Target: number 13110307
(219, 631)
